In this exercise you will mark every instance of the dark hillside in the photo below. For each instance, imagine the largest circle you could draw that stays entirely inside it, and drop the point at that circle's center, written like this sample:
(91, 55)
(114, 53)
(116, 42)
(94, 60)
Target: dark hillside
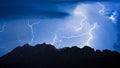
(47, 56)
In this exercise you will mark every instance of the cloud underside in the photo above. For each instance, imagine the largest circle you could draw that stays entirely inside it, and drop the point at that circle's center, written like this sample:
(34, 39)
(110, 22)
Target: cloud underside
(36, 8)
(73, 1)
(33, 14)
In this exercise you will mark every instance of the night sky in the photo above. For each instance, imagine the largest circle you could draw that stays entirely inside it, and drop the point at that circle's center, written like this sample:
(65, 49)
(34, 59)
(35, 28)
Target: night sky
(63, 23)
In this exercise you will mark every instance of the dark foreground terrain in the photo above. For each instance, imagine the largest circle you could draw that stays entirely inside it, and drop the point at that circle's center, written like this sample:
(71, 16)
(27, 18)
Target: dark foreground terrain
(47, 56)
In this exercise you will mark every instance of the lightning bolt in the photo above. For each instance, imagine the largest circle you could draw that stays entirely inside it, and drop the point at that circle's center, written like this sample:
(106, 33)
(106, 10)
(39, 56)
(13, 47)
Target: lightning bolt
(31, 29)
(3, 28)
(81, 23)
(54, 39)
(102, 10)
(111, 17)
(77, 29)
(75, 36)
(90, 34)
(79, 13)
(84, 18)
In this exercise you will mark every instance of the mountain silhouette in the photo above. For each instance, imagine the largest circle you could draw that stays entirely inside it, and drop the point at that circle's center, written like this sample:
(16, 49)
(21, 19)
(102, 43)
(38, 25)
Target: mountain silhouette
(47, 56)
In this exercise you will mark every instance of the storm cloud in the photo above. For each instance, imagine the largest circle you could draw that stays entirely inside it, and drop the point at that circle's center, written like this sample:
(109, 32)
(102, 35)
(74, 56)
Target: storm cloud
(38, 8)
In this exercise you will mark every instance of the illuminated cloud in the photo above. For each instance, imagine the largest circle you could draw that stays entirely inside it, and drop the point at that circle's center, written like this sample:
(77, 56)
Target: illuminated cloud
(78, 12)
(112, 17)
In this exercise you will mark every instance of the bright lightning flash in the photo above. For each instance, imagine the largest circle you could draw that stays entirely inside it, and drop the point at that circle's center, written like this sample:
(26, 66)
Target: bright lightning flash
(112, 17)
(79, 13)
(90, 34)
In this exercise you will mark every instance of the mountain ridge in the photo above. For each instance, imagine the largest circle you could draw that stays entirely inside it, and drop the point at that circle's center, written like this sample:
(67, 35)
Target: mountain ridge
(46, 55)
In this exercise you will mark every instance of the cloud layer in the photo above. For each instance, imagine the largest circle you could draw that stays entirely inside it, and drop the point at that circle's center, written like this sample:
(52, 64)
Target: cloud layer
(37, 8)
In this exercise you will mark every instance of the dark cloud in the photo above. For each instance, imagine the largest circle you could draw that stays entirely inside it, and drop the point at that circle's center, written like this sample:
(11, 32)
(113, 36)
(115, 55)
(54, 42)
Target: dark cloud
(73, 1)
(32, 14)
(28, 8)
(117, 44)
